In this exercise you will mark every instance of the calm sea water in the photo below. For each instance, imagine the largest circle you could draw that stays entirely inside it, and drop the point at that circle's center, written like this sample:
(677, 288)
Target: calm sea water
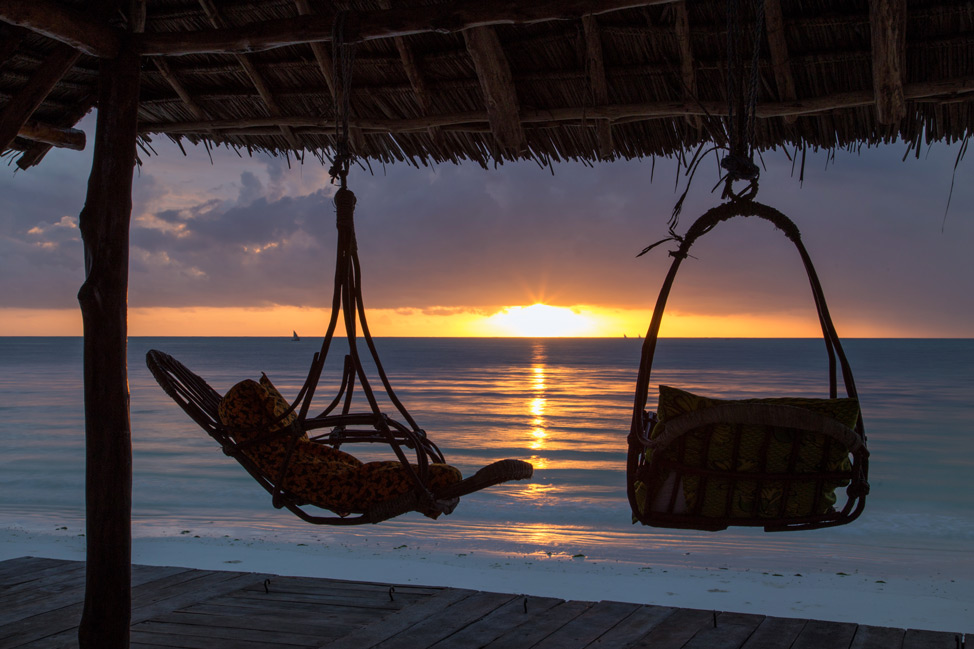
(562, 404)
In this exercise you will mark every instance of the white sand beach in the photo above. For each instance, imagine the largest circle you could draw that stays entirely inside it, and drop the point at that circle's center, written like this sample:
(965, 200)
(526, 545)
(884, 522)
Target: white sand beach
(904, 594)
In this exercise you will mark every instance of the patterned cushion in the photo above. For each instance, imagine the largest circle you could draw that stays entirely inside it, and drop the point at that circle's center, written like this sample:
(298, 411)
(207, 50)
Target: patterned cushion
(815, 452)
(316, 473)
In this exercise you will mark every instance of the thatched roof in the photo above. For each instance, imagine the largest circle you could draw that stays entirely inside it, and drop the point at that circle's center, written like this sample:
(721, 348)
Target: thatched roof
(542, 79)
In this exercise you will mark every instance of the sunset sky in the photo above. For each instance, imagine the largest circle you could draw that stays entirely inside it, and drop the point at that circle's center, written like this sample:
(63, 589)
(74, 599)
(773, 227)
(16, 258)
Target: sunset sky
(245, 246)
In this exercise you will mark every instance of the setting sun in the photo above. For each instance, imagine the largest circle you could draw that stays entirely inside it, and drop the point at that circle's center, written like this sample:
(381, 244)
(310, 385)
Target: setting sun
(541, 320)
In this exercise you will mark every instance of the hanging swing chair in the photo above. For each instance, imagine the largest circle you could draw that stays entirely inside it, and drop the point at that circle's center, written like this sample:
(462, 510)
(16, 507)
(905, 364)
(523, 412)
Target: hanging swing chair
(705, 464)
(279, 443)
(297, 458)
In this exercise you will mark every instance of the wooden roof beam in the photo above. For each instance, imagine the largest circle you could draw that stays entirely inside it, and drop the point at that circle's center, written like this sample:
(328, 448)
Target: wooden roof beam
(327, 67)
(322, 55)
(69, 26)
(64, 138)
(415, 75)
(688, 75)
(36, 152)
(780, 59)
(370, 25)
(19, 109)
(497, 84)
(180, 89)
(946, 90)
(595, 69)
(10, 38)
(273, 108)
(887, 20)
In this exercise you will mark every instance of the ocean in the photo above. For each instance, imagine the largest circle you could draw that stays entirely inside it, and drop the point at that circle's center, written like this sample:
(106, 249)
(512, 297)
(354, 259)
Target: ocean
(562, 404)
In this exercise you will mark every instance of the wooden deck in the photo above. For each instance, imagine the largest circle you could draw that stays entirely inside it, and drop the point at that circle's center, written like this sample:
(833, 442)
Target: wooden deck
(41, 600)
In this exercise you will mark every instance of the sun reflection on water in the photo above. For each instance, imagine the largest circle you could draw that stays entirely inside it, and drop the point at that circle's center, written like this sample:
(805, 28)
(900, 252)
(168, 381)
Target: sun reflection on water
(538, 401)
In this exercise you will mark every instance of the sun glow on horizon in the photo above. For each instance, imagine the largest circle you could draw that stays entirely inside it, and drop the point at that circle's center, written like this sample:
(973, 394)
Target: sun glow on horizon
(541, 321)
(534, 321)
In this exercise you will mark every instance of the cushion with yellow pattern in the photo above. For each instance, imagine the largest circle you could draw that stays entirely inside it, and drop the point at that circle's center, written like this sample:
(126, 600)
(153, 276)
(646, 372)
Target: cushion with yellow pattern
(316, 473)
(815, 453)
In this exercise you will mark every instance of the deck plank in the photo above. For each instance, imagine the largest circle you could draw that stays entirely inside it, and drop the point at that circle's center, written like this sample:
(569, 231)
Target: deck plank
(877, 637)
(378, 599)
(156, 602)
(528, 635)
(324, 586)
(41, 602)
(448, 621)
(218, 632)
(627, 632)
(825, 635)
(48, 593)
(589, 626)
(12, 569)
(21, 581)
(519, 611)
(373, 634)
(731, 632)
(676, 629)
(915, 639)
(775, 633)
(54, 623)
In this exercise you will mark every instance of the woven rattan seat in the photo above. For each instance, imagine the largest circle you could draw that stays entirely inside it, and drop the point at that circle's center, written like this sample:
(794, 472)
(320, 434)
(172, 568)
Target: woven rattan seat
(708, 464)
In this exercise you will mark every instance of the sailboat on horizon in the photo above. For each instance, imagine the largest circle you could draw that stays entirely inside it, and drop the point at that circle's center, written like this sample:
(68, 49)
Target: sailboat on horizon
(295, 336)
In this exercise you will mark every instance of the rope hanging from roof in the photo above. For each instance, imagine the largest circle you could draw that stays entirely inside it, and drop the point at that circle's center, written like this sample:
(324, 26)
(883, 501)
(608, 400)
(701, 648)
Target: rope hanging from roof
(706, 464)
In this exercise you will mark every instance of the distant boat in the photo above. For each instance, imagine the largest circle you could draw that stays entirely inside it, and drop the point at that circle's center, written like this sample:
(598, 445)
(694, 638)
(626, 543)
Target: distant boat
(295, 336)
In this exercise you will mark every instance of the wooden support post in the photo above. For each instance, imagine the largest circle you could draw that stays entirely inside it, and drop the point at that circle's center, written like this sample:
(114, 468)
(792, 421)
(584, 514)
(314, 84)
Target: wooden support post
(19, 109)
(104, 225)
(497, 83)
(887, 20)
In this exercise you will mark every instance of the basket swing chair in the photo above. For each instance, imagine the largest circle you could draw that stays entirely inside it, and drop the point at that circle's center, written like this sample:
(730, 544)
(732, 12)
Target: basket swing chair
(706, 464)
(297, 457)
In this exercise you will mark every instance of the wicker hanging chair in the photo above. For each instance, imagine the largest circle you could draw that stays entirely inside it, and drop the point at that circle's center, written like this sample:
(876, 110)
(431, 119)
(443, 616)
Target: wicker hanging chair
(342, 425)
(706, 464)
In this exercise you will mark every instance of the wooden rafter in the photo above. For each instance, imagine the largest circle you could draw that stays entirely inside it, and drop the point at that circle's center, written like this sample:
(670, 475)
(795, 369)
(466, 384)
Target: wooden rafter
(887, 20)
(69, 26)
(688, 75)
(780, 60)
(322, 55)
(497, 84)
(595, 69)
(10, 38)
(370, 25)
(618, 113)
(19, 109)
(326, 66)
(417, 80)
(65, 138)
(174, 82)
(273, 109)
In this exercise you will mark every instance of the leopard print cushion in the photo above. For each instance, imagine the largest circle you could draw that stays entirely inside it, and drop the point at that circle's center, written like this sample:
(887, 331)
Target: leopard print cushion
(317, 473)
